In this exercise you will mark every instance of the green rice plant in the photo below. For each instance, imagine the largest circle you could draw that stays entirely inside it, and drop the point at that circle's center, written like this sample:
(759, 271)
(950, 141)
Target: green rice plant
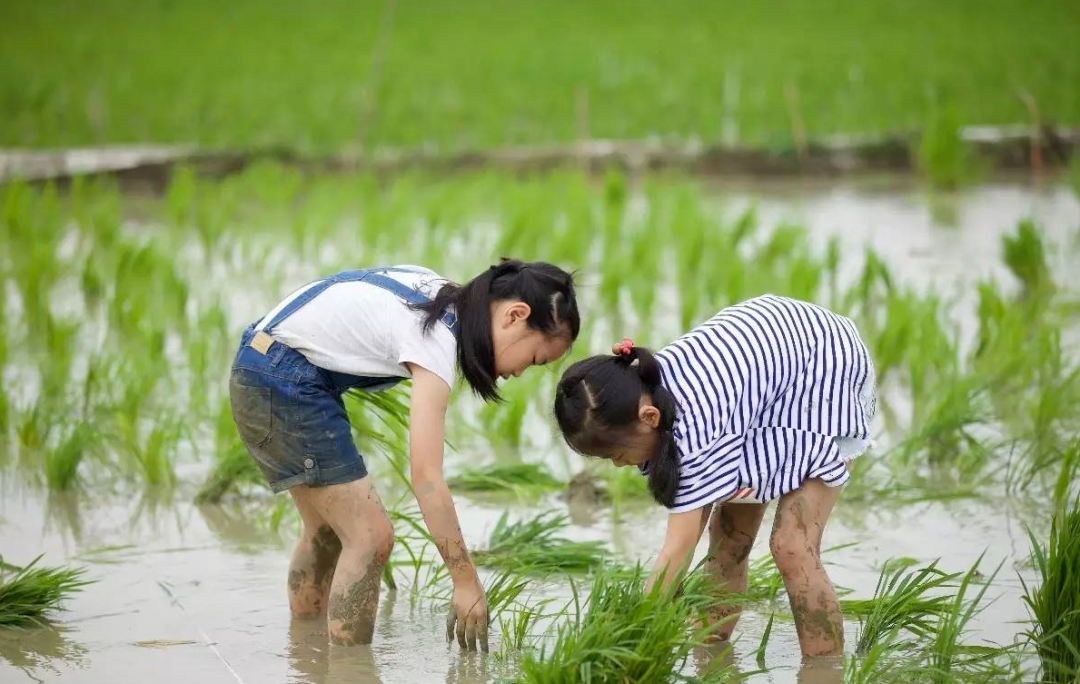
(503, 422)
(1025, 255)
(944, 159)
(901, 602)
(517, 630)
(232, 468)
(502, 590)
(233, 465)
(883, 663)
(947, 658)
(534, 546)
(1054, 600)
(517, 478)
(28, 595)
(380, 422)
(623, 633)
(151, 451)
(61, 463)
(947, 430)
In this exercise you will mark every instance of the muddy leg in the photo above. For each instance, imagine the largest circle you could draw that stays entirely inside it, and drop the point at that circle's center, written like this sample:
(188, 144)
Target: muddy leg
(796, 547)
(311, 570)
(356, 515)
(732, 530)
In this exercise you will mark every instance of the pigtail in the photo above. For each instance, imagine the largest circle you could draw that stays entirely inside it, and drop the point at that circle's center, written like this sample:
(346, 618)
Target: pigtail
(664, 466)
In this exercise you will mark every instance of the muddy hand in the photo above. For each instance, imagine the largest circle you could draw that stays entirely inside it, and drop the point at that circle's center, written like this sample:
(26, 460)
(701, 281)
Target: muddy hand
(467, 620)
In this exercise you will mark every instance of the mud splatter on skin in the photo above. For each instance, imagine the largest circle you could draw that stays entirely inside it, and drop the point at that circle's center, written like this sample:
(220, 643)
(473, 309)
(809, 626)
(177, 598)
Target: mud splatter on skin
(823, 623)
(327, 548)
(354, 609)
(296, 580)
(727, 564)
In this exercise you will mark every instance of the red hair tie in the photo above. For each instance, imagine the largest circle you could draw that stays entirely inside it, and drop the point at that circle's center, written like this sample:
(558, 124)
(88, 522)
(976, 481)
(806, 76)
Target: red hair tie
(624, 348)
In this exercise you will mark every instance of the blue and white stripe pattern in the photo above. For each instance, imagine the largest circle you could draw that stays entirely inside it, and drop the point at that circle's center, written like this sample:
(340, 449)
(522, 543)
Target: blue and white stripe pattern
(763, 389)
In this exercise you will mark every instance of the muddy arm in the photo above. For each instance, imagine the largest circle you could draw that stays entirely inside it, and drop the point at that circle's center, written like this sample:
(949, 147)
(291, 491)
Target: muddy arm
(430, 396)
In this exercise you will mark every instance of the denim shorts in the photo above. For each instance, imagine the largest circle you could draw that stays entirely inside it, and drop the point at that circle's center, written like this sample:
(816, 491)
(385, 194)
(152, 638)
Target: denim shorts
(291, 418)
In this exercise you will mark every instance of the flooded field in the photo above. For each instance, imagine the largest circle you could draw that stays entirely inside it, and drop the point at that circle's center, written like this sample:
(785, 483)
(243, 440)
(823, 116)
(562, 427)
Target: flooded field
(126, 311)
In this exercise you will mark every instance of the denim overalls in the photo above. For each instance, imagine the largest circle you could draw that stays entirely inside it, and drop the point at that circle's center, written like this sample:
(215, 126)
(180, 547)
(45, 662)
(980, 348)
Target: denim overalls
(290, 412)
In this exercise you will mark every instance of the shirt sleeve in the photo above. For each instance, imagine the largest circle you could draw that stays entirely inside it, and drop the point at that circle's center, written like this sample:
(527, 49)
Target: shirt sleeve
(712, 474)
(435, 350)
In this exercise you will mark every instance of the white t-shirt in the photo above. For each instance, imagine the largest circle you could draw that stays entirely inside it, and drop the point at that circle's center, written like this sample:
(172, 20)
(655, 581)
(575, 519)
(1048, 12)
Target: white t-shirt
(363, 329)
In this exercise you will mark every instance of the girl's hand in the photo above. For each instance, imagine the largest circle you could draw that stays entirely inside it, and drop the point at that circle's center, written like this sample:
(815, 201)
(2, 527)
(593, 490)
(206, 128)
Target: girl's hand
(468, 617)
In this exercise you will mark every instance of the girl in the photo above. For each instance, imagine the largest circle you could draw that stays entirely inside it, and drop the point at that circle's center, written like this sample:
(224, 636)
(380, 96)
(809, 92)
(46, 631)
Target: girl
(767, 400)
(367, 330)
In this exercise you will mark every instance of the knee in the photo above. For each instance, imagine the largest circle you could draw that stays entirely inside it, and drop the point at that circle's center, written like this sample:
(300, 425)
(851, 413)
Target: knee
(381, 536)
(792, 552)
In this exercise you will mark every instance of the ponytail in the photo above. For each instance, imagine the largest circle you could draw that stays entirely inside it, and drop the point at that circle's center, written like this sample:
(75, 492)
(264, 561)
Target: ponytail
(598, 397)
(547, 289)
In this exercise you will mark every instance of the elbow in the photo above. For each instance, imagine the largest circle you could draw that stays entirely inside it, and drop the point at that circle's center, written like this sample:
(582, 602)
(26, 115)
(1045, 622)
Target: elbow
(425, 478)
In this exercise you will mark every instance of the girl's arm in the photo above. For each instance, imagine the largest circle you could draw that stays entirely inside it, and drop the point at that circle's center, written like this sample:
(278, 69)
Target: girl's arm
(683, 532)
(430, 396)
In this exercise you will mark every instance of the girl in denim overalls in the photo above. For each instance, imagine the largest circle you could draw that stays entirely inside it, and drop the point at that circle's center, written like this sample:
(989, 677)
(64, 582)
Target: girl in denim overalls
(368, 330)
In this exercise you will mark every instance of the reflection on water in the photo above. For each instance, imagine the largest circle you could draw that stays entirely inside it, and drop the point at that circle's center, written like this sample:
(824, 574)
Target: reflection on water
(821, 671)
(38, 651)
(313, 660)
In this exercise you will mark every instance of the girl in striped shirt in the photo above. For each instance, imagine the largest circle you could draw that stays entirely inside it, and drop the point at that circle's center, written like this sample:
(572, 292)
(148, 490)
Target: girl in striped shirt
(769, 399)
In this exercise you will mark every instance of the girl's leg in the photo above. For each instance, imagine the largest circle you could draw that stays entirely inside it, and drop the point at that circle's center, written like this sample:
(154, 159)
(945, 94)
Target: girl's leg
(311, 570)
(796, 547)
(732, 531)
(355, 514)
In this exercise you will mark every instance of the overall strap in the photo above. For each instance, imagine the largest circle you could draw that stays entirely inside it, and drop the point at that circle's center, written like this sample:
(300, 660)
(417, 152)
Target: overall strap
(374, 276)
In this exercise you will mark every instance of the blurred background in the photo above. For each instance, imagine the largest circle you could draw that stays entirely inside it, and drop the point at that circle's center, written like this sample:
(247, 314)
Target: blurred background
(171, 169)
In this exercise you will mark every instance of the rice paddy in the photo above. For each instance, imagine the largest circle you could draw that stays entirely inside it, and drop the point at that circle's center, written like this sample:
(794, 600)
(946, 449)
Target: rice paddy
(118, 450)
(418, 74)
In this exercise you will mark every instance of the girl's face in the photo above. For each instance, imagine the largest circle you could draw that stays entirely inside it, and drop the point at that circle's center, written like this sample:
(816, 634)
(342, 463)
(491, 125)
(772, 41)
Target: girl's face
(517, 346)
(637, 443)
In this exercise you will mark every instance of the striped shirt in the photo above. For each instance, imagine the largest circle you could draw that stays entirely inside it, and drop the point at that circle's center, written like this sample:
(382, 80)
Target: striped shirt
(762, 390)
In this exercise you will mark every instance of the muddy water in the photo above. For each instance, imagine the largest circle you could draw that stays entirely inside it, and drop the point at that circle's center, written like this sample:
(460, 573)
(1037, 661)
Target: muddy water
(186, 593)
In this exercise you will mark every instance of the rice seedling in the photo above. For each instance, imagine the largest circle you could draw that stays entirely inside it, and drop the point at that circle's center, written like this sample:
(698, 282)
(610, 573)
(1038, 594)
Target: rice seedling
(61, 464)
(944, 158)
(901, 603)
(1025, 256)
(29, 595)
(534, 546)
(1054, 600)
(233, 467)
(520, 479)
(947, 658)
(624, 634)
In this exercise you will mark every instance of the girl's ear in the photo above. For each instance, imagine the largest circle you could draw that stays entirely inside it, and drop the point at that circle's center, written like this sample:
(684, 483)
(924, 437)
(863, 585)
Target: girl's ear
(649, 415)
(517, 311)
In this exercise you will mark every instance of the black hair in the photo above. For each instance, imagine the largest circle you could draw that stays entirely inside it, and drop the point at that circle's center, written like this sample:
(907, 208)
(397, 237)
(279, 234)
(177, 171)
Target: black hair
(598, 398)
(547, 289)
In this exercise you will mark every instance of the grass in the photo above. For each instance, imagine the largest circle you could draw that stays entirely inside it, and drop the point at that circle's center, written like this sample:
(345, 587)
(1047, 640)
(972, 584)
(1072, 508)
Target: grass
(1054, 601)
(30, 595)
(528, 74)
(621, 633)
(534, 546)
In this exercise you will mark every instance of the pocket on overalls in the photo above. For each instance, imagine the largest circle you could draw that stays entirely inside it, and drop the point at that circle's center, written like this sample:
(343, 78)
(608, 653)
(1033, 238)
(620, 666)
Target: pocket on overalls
(251, 410)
